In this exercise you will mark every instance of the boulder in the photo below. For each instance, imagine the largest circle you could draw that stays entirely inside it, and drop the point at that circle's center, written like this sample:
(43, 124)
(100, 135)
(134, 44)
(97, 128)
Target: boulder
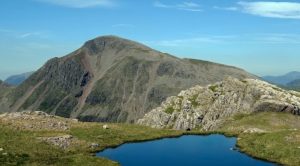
(105, 127)
(94, 145)
(60, 141)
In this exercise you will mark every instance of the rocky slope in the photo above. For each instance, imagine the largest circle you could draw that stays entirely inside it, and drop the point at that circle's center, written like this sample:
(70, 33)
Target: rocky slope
(209, 106)
(112, 79)
(36, 120)
(5, 89)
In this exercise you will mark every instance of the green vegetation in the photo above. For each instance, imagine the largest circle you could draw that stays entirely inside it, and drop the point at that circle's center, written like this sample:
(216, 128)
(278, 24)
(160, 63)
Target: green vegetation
(213, 88)
(22, 147)
(193, 101)
(276, 138)
(34, 96)
(169, 110)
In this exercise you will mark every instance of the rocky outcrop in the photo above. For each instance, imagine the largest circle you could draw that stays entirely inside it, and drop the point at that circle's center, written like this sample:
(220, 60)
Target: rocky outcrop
(36, 120)
(63, 141)
(57, 129)
(110, 79)
(209, 106)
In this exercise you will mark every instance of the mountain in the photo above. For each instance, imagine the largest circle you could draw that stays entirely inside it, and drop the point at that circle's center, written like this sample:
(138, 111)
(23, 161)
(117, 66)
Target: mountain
(5, 89)
(17, 79)
(294, 84)
(284, 79)
(112, 79)
(210, 106)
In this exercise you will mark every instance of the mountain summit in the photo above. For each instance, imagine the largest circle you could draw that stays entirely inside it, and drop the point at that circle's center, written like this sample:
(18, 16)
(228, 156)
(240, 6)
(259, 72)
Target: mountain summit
(112, 79)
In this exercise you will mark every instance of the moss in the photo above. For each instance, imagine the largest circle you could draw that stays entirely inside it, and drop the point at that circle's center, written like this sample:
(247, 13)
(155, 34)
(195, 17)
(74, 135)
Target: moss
(213, 88)
(169, 110)
(193, 100)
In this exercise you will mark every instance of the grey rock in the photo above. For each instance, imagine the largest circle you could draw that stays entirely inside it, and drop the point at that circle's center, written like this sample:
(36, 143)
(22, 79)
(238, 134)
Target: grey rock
(61, 141)
(208, 107)
(36, 120)
(94, 145)
(105, 127)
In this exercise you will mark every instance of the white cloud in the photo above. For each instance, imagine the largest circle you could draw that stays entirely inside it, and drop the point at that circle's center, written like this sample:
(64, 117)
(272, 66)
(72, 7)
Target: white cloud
(272, 9)
(226, 8)
(188, 6)
(32, 34)
(80, 3)
(23, 35)
(266, 38)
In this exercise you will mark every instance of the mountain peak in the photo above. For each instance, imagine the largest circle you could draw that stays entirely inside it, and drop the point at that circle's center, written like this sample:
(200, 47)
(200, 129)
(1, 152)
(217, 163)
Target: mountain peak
(112, 42)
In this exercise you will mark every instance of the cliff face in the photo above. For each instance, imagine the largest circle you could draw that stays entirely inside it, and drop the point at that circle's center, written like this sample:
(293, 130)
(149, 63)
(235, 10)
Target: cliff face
(112, 79)
(208, 107)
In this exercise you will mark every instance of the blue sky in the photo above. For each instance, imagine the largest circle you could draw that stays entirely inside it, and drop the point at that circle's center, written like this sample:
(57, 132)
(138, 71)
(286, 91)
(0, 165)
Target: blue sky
(262, 37)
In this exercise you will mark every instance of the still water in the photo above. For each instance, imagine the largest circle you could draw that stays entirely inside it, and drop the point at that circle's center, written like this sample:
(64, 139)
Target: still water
(188, 150)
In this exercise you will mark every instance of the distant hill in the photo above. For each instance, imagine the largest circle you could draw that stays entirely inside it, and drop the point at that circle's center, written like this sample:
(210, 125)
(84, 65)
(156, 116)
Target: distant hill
(294, 84)
(17, 79)
(111, 79)
(283, 79)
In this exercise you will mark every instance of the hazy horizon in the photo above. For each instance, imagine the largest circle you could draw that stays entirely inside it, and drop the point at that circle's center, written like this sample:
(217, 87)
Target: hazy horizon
(258, 36)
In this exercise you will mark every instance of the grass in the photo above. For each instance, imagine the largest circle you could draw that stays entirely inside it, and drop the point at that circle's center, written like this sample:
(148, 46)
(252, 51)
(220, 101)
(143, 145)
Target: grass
(193, 101)
(23, 147)
(213, 88)
(279, 143)
(169, 110)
